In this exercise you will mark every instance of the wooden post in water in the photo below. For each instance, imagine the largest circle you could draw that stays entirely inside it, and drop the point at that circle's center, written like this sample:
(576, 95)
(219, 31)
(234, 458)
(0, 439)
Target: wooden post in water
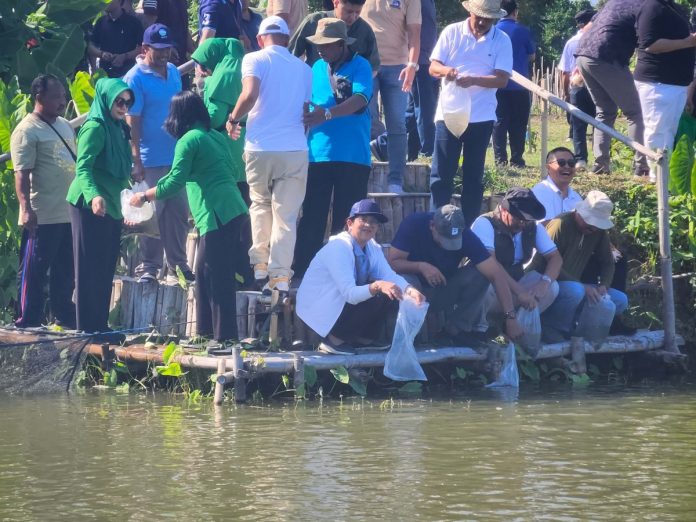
(239, 375)
(544, 146)
(298, 374)
(668, 314)
(219, 395)
(577, 354)
(273, 326)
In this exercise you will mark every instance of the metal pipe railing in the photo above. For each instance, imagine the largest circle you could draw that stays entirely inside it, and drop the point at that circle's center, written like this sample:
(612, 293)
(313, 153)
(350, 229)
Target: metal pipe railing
(662, 171)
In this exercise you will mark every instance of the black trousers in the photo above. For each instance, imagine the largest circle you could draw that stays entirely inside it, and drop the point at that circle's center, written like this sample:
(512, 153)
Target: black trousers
(216, 287)
(96, 247)
(242, 263)
(582, 100)
(48, 253)
(512, 115)
(348, 183)
(364, 319)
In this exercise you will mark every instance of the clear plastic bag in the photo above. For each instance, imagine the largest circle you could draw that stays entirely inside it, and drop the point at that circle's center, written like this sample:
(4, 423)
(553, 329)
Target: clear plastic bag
(531, 326)
(135, 214)
(401, 363)
(508, 374)
(455, 102)
(595, 319)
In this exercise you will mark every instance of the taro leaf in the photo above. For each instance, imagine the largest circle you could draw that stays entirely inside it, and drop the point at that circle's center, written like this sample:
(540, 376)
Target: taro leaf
(358, 386)
(121, 367)
(168, 352)
(341, 374)
(411, 387)
(581, 381)
(111, 379)
(171, 370)
(82, 90)
(181, 279)
(286, 381)
(531, 370)
(310, 375)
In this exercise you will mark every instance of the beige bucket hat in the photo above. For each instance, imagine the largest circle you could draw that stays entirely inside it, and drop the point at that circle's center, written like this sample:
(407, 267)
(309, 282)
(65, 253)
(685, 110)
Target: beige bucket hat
(596, 210)
(331, 30)
(485, 8)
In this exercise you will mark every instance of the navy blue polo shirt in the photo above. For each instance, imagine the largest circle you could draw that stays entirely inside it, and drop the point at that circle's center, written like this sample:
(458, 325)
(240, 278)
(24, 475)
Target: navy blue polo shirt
(220, 15)
(117, 37)
(523, 46)
(415, 237)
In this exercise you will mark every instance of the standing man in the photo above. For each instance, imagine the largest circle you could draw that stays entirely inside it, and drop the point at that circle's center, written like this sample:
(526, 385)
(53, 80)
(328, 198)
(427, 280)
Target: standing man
(574, 89)
(364, 41)
(339, 138)
(154, 82)
(276, 86)
(603, 57)
(115, 39)
(397, 25)
(291, 11)
(514, 101)
(478, 57)
(43, 155)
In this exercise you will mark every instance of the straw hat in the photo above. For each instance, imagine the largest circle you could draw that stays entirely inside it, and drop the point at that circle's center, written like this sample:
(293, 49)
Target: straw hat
(331, 30)
(596, 210)
(485, 8)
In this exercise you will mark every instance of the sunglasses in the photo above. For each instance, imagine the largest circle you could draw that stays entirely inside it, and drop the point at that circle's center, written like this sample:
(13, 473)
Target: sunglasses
(563, 162)
(122, 102)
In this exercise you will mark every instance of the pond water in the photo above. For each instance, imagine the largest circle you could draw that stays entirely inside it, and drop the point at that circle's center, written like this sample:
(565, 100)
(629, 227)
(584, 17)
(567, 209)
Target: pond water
(603, 453)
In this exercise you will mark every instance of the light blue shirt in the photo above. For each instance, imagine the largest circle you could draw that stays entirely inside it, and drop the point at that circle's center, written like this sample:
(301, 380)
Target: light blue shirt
(346, 138)
(153, 94)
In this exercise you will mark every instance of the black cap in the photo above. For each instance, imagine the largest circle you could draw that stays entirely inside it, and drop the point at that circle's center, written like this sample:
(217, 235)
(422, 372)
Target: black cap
(523, 204)
(585, 16)
(367, 207)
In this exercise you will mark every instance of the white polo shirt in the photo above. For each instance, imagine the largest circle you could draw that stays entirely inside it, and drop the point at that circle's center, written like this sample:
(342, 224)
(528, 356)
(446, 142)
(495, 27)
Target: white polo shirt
(483, 229)
(550, 196)
(567, 61)
(458, 47)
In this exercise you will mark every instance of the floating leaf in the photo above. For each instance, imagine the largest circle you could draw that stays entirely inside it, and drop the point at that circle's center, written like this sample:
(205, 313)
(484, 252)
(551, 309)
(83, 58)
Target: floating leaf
(310, 375)
(341, 374)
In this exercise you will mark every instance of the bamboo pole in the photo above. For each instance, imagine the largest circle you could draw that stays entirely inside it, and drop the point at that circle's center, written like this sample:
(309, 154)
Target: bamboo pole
(220, 382)
(298, 374)
(543, 150)
(239, 375)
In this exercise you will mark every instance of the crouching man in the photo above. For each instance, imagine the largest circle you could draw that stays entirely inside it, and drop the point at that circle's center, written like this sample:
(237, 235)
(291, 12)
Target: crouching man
(429, 248)
(510, 233)
(349, 288)
(580, 236)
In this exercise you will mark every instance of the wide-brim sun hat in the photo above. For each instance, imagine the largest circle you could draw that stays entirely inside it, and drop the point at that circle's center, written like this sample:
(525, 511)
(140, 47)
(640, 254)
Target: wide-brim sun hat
(330, 30)
(596, 210)
(485, 8)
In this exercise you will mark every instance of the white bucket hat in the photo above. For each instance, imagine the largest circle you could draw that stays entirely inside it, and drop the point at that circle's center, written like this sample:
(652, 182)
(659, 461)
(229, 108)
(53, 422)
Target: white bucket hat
(596, 210)
(485, 8)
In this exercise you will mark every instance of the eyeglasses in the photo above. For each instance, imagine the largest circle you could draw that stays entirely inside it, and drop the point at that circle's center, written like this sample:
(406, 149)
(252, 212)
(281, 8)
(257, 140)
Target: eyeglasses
(123, 102)
(368, 220)
(563, 162)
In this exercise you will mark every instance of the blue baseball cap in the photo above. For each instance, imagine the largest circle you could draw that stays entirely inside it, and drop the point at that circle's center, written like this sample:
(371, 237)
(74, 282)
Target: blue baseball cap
(367, 207)
(158, 36)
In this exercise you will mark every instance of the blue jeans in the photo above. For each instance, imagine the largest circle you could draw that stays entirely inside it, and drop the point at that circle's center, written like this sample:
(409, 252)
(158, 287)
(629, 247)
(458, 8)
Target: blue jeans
(394, 101)
(448, 148)
(563, 313)
(424, 98)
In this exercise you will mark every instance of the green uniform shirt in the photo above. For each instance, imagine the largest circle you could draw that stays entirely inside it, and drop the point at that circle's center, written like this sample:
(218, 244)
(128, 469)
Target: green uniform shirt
(92, 176)
(203, 163)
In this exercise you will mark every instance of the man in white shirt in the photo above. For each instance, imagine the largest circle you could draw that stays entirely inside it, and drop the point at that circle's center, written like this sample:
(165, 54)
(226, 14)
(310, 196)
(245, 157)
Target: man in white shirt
(275, 88)
(555, 192)
(511, 235)
(478, 57)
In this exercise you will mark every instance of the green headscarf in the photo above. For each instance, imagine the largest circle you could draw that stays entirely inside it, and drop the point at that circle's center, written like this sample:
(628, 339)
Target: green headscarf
(117, 151)
(223, 56)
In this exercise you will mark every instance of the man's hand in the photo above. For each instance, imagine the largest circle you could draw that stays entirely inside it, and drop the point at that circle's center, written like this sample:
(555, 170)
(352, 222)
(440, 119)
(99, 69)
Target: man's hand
(513, 329)
(138, 172)
(415, 295)
(118, 60)
(106, 56)
(527, 300)
(234, 130)
(29, 221)
(137, 200)
(431, 274)
(594, 293)
(313, 118)
(391, 290)
(452, 74)
(465, 81)
(99, 206)
(407, 76)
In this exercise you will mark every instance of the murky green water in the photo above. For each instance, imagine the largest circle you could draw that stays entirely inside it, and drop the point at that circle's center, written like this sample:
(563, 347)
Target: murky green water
(603, 454)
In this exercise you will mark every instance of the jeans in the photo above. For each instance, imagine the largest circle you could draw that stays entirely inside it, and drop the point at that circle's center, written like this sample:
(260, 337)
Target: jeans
(512, 115)
(580, 97)
(423, 99)
(394, 101)
(448, 149)
(563, 313)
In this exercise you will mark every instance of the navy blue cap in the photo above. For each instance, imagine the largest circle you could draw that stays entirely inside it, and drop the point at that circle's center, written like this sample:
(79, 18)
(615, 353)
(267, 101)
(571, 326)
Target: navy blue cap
(367, 207)
(158, 36)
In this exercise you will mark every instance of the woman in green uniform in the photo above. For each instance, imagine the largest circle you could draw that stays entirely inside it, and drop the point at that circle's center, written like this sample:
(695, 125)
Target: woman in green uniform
(203, 164)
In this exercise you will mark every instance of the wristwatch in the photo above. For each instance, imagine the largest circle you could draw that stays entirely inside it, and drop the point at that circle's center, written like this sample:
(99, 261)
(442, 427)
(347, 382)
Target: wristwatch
(547, 279)
(510, 315)
(413, 65)
(327, 114)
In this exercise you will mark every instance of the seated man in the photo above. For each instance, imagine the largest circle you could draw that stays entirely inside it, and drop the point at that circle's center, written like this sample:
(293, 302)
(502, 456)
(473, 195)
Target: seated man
(349, 288)
(510, 234)
(554, 191)
(429, 249)
(580, 236)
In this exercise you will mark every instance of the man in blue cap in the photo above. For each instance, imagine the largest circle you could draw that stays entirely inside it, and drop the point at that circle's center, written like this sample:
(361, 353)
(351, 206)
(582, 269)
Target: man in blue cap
(349, 288)
(154, 82)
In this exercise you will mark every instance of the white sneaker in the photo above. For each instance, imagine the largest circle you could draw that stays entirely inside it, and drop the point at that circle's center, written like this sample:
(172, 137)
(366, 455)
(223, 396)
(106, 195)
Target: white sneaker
(395, 188)
(581, 166)
(261, 271)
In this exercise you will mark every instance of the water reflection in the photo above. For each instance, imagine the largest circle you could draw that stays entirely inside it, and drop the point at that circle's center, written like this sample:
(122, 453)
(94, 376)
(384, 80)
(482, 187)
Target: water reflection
(598, 454)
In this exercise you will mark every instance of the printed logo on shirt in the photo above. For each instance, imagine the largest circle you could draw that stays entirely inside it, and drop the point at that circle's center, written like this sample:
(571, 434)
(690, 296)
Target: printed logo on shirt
(206, 19)
(396, 4)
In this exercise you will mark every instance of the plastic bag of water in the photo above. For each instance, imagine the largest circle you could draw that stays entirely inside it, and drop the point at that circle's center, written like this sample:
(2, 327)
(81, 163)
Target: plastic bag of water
(455, 103)
(508, 375)
(401, 363)
(531, 326)
(595, 319)
(135, 214)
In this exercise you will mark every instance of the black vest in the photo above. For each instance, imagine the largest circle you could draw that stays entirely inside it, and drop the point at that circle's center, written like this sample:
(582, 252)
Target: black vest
(505, 246)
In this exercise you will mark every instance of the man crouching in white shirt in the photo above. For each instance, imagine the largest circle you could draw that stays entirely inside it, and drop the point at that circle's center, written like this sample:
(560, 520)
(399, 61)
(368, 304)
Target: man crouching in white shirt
(349, 288)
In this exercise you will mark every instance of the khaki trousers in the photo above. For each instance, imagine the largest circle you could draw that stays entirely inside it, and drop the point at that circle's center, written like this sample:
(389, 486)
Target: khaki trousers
(277, 183)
